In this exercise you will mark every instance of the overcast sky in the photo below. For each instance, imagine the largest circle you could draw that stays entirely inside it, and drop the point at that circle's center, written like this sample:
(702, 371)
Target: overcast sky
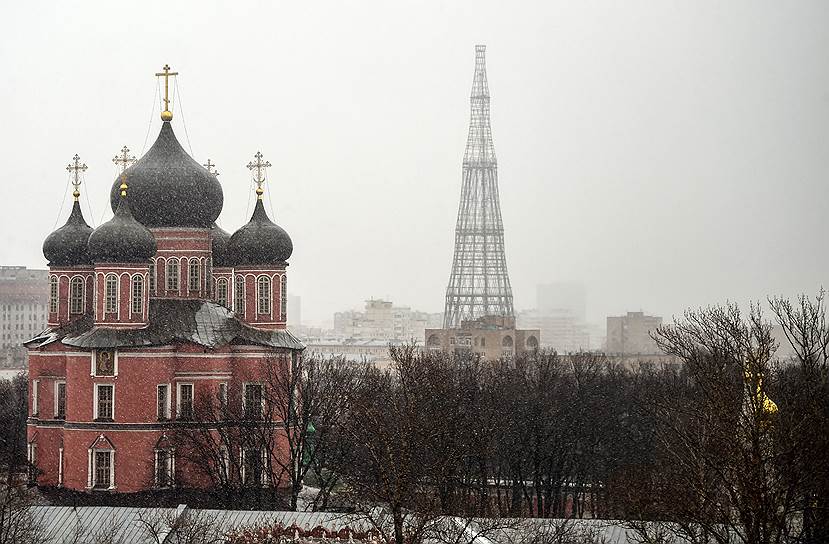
(666, 154)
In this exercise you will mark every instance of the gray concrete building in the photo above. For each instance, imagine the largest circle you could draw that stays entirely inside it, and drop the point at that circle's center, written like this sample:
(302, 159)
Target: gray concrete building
(24, 299)
(630, 334)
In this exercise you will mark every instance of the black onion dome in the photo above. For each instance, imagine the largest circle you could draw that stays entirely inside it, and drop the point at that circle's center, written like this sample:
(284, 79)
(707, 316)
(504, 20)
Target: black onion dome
(260, 242)
(219, 239)
(122, 239)
(168, 188)
(67, 245)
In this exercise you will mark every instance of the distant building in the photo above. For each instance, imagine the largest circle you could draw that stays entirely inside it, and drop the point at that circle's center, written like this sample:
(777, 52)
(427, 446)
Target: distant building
(630, 334)
(24, 303)
(560, 329)
(562, 296)
(381, 320)
(492, 337)
(369, 351)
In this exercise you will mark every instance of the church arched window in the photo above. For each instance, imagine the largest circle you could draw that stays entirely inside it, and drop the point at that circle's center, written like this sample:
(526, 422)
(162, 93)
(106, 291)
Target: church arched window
(193, 276)
(153, 278)
(172, 275)
(111, 294)
(76, 295)
(137, 294)
(53, 294)
(239, 296)
(221, 291)
(263, 295)
(283, 298)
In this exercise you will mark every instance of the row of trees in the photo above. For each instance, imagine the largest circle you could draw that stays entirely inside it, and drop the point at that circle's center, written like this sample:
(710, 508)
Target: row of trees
(729, 445)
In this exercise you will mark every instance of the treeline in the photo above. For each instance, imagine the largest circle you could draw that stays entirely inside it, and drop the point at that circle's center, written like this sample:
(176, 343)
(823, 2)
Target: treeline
(728, 445)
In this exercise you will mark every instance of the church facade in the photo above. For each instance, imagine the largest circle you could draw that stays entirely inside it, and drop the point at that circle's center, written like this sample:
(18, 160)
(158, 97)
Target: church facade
(149, 314)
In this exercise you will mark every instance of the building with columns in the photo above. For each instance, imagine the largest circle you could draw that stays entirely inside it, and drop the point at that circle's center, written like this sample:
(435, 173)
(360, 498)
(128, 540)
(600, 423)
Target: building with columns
(148, 313)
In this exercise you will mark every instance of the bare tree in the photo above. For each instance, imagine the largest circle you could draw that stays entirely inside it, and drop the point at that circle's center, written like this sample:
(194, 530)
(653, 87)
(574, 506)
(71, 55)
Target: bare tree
(718, 475)
(270, 433)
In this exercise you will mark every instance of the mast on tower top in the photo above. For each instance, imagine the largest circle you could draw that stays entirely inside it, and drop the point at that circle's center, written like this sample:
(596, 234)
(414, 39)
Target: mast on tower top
(480, 151)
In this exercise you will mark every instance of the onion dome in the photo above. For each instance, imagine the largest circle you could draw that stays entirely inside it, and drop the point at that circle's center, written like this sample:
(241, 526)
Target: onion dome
(122, 239)
(67, 245)
(168, 188)
(260, 242)
(219, 240)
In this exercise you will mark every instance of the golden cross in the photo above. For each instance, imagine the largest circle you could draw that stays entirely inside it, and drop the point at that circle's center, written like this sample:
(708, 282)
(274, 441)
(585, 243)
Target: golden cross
(210, 166)
(123, 160)
(166, 115)
(258, 169)
(76, 170)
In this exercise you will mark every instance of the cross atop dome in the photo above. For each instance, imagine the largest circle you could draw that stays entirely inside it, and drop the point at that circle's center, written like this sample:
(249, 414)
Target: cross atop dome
(76, 170)
(166, 115)
(259, 169)
(124, 160)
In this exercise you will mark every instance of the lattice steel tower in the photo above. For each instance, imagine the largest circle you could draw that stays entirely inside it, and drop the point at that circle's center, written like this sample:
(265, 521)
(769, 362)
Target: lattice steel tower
(479, 284)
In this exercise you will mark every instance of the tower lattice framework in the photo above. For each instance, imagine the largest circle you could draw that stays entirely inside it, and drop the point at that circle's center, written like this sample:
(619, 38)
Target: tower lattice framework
(479, 284)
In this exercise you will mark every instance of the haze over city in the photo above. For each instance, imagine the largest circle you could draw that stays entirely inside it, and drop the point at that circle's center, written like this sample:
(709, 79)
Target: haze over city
(665, 155)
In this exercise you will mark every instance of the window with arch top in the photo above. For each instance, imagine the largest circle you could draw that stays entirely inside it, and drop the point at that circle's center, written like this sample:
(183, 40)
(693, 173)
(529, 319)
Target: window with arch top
(194, 276)
(172, 275)
(76, 293)
(53, 294)
(137, 293)
(239, 296)
(221, 291)
(263, 295)
(111, 294)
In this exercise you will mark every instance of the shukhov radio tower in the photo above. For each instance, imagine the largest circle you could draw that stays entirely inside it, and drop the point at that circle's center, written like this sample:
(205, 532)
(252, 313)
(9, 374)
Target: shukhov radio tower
(479, 284)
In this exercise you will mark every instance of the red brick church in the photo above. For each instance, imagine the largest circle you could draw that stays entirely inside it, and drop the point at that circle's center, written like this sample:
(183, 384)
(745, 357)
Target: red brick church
(147, 313)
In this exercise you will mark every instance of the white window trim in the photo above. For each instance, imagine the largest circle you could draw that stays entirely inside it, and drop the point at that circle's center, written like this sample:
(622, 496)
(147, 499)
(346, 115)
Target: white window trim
(69, 311)
(245, 396)
(171, 467)
(143, 287)
(219, 283)
(54, 301)
(60, 466)
(264, 472)
(35, 398)
(168, 405)
(178, 398)
(95, 399)
(90, 481)
(270, 295)
(190, 263)
(240, 292)
(117, 311)
(167, 275)
(95, 366)
(57, 384)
